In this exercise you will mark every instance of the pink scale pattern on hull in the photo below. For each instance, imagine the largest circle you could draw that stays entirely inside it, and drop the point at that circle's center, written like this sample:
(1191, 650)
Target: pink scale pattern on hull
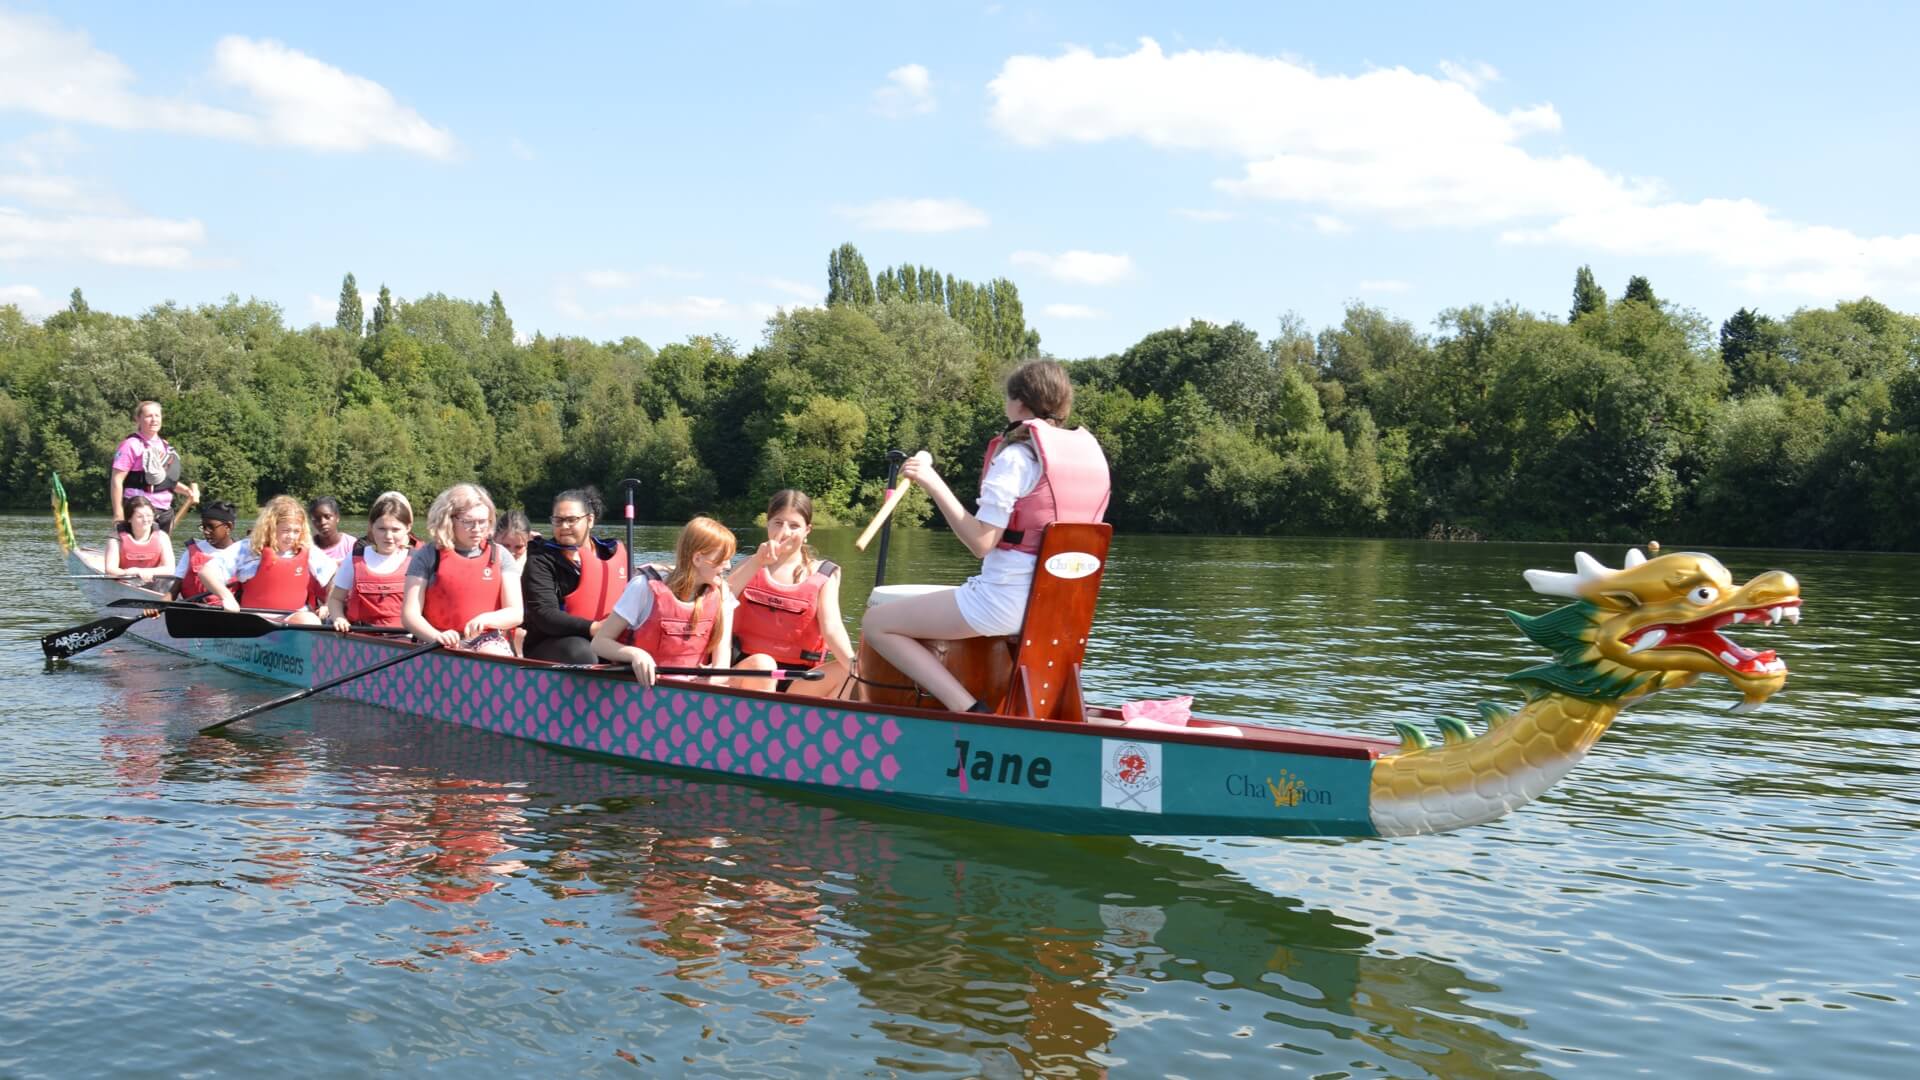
(672, 724)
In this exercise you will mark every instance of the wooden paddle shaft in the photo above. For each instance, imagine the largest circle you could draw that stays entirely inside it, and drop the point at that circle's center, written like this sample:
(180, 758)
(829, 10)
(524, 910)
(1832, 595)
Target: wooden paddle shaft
(886, 508)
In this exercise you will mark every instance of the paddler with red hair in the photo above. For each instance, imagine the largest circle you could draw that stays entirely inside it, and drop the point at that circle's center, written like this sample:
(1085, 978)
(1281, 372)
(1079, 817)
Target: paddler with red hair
(138, 548)
(680, 619)
(461, 590)
(570, 582)
(277, 567)
(1038, 471)
(370, 589)
(788, 613)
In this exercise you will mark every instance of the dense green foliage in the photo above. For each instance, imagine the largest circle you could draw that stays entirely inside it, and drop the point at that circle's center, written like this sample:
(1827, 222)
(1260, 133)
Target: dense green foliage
(1628, 423)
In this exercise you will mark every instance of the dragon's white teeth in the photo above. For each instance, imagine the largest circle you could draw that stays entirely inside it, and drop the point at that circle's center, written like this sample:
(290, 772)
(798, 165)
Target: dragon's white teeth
(1774, 666)
(1729, 659)
(1792, 615)
(1648, 640)
(1773, 615)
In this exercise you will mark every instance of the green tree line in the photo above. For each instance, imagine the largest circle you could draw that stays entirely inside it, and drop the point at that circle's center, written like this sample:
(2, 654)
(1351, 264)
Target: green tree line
(1629, 419)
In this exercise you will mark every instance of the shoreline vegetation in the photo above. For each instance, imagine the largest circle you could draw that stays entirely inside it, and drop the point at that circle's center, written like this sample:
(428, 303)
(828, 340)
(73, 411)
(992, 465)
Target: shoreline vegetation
(1627, 419)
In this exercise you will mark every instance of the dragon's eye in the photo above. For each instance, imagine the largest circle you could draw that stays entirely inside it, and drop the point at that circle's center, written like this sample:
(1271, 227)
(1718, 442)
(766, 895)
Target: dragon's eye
(1702, 595)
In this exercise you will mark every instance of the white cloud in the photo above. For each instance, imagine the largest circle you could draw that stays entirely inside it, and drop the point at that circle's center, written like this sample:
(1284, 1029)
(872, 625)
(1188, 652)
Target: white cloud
(160, 243)
(1072, 311)
(323, 307)
(608, 279)
(908, 92)
(1473, 77)
(626, 279)
(41, 190)
(1079, 267)
(1418, 151)
(291, 98)
(704, 309)
(915, 215)
(1416, 148)
(30, 300)
(1776, 255)
(801, 290)
(1204, 216)
(1384, 285)
(306, 102)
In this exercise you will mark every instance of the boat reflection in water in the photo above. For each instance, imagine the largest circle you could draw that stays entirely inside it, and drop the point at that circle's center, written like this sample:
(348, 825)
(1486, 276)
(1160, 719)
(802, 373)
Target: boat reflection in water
(1024, 952)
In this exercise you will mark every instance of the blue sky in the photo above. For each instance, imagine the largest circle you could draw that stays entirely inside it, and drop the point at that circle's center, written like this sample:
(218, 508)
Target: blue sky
(663, 171)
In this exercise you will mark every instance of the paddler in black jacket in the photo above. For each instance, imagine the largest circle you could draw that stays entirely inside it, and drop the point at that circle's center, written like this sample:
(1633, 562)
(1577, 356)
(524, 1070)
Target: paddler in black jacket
(570, 582)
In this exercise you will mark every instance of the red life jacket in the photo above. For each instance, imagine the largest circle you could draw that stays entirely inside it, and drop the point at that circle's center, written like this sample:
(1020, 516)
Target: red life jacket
(462, 588)
(137, 554)
(375, 599)
(198, 556)
(284, 584)
(782, 620)
(671, 634)
(602, 579)
(1074, 484)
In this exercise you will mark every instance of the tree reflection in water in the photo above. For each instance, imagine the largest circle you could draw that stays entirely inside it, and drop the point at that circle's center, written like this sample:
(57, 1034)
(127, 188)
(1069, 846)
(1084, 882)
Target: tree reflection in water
(1023, 952)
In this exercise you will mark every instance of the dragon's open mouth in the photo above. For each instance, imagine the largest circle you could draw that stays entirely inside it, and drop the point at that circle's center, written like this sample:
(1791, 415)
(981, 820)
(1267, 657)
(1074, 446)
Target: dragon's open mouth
(1704, 635)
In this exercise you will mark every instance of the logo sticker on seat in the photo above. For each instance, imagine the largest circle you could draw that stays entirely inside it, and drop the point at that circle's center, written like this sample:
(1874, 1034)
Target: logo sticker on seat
(1072, 564)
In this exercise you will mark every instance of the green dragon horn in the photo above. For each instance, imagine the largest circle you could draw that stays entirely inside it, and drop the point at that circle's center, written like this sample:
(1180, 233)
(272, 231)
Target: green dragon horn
(1411, 738)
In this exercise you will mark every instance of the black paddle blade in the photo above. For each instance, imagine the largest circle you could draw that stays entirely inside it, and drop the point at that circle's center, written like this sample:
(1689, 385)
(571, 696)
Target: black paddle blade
(65, 643)
(208, 622)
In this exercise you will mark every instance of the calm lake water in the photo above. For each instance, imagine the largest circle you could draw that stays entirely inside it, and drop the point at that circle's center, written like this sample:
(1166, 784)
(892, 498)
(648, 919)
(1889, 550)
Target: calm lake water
(336, 889)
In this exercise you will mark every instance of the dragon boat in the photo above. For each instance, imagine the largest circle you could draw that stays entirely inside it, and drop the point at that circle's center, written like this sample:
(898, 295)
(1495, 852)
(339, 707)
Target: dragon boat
(1047, 759)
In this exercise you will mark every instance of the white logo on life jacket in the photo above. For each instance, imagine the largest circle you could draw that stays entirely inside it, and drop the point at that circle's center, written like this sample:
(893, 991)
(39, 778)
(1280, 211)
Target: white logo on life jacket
(486, 573)
(1072, 564)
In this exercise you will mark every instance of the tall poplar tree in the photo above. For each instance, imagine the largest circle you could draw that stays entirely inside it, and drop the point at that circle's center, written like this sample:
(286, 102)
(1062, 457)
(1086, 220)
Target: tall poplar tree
(848, 280)
(383, 313)
(349, 316)
(1587, 294)
(1639, 288)
(499, 325)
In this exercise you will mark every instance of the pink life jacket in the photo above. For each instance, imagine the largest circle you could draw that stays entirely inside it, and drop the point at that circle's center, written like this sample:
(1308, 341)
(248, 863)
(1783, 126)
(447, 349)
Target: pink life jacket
(462, 588)
(1074, 484)
(671, 634)
(783, 620)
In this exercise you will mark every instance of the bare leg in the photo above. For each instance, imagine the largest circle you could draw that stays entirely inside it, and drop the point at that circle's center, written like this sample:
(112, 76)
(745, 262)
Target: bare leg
(832, 681)
(894, 629)
(757, 662)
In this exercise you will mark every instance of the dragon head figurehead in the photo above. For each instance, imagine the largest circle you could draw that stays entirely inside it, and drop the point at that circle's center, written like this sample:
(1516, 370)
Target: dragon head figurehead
(1653, 624)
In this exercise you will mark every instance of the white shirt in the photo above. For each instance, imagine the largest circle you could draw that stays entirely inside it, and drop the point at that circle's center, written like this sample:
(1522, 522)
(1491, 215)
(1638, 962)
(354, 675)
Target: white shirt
(219, 555)
(636, 602)
(243, 564)
(1013, 474)
(376, 562)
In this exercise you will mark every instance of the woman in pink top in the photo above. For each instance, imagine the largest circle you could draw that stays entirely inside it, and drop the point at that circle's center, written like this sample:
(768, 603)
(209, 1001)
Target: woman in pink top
(145, 465)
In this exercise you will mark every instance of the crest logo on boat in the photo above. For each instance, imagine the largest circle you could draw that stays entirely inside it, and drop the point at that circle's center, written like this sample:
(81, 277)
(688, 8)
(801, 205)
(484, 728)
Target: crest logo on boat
(1130, 776)
(1072, 564)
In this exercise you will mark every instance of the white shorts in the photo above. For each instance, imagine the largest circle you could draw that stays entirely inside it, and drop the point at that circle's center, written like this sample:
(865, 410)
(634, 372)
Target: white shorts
(993, 609)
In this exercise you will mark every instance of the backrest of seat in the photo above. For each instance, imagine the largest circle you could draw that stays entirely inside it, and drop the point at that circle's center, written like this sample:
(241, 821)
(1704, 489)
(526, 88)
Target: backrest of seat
(1053, 635)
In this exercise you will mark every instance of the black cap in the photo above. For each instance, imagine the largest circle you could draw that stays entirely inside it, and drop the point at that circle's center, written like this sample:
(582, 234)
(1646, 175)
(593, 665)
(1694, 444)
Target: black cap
(217, 511)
